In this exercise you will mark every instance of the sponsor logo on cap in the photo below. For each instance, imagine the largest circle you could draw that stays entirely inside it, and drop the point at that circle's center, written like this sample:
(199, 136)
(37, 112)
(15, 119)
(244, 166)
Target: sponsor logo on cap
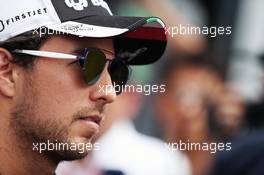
(75, 28)
(78, 6)
(21, 17)
(103, 4)
(2, 26)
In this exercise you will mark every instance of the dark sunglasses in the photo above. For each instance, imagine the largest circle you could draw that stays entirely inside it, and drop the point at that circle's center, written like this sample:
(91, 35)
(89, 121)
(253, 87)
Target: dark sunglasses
(92, 61)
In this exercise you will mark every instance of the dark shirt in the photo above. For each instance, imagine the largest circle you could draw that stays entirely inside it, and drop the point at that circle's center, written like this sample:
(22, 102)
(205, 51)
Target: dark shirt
(245, 158)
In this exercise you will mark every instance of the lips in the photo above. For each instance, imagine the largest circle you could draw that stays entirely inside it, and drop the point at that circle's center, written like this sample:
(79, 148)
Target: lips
(95, 119)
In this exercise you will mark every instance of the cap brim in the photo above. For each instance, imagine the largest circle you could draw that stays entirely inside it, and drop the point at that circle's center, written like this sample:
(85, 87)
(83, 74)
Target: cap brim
(142, 35)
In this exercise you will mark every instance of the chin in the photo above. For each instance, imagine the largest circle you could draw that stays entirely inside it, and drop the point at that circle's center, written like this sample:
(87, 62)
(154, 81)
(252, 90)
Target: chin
(73, 155)
(74, 148)
(67, 155)
(82, 135)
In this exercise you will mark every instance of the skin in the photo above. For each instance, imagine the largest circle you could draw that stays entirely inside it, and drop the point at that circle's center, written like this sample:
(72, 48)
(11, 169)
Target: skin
(125, 107)
(184, 114)
(45, 103)
(182, 111)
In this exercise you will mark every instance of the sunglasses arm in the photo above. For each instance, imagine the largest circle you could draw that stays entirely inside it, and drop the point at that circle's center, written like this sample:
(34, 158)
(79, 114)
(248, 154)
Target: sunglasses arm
(47, 54)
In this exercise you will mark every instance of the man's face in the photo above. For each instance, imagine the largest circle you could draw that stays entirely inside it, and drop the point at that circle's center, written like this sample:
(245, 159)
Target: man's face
(182, 108)
(52, 99)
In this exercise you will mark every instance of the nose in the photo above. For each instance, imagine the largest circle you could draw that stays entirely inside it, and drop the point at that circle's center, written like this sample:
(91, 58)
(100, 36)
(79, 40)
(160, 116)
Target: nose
(103, 89)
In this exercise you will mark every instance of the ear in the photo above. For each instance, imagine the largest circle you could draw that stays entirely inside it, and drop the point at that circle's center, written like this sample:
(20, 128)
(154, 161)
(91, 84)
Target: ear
(6, 73)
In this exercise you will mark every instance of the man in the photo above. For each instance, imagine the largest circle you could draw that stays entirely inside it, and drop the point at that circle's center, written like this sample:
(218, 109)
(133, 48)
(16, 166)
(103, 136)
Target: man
(117, 136)
(60, 62)
(197, 107)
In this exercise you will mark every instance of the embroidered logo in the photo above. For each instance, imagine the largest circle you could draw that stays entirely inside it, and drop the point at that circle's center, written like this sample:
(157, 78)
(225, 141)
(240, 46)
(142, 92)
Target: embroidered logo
(78, 6)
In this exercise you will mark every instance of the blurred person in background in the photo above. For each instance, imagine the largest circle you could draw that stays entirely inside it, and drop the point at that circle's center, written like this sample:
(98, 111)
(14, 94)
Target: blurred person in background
(247, 153)
(222, 115)
(197, 108)
(124, 151)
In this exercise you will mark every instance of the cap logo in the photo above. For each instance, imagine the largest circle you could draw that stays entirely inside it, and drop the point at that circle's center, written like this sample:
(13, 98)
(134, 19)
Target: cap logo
(103, 4)
(78, 6)
(2, 26)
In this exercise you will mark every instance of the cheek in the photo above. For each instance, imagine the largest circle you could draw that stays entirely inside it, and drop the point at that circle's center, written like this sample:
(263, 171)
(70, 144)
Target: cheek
(173, 115)
(59, 89)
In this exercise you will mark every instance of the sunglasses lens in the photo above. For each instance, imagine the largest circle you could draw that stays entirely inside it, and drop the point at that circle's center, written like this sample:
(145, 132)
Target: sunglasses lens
(119, 73)
(94, 65)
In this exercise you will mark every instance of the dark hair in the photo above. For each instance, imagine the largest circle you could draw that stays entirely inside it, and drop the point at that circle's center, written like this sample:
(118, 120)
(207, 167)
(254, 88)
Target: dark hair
(179, 61)
(27, 40)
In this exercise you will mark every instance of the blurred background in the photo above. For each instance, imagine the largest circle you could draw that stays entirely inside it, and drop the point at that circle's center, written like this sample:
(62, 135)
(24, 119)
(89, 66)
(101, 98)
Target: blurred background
(214, 94)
